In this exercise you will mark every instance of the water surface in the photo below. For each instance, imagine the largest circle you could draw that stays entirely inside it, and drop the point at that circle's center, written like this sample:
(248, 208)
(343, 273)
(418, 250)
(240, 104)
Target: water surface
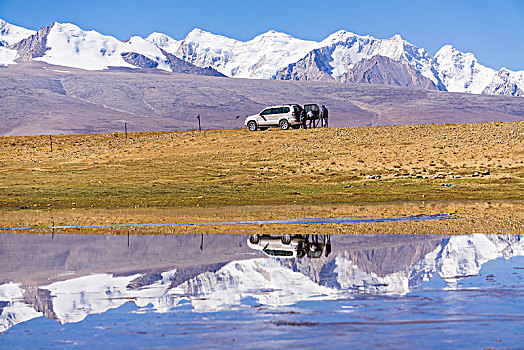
(161, 291)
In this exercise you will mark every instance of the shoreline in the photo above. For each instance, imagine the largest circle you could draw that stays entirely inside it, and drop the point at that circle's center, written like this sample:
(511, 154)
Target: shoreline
(498, 216)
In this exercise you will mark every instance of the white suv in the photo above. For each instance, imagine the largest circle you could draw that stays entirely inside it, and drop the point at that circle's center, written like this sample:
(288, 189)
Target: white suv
(285, 246)
(283, 116)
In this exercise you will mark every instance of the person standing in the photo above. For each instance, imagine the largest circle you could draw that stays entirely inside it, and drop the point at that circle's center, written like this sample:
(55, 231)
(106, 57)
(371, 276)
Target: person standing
(311, 117)
(303, 118)
(324, 116)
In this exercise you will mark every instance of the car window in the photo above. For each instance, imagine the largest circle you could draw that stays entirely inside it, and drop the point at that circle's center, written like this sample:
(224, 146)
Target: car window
(275, 252)
(315, 254)
(285, 110)
(314, 108)
(276, 111)
(296, 109)
(266, 112)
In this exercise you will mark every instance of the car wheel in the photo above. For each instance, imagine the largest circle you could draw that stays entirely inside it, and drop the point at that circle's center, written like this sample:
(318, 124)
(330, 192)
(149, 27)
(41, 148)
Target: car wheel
(286, 239)
(284, 124)
(254, 239)
(252, 126)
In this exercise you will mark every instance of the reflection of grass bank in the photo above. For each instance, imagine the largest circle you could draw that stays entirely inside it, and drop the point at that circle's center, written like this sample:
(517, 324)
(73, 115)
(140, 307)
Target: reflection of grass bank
(223, 167)
(474, 217)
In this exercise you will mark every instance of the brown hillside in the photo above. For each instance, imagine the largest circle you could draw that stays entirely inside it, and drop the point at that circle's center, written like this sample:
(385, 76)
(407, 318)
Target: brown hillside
(36, 98)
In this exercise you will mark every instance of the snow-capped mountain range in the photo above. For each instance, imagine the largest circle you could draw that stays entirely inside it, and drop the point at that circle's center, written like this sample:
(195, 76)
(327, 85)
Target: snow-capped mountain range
(271, 55)
(271, 282)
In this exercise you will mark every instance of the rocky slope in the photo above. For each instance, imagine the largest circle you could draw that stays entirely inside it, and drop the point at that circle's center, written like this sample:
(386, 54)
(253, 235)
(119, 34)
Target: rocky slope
(312, 67)
(33, 46)
(386, 71)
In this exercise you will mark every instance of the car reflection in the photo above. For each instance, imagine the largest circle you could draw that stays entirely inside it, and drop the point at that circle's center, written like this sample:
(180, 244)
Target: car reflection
(291, 246)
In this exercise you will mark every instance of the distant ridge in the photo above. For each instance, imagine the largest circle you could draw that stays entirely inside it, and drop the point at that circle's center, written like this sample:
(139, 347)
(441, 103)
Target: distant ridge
(271, 55)
(69, 46)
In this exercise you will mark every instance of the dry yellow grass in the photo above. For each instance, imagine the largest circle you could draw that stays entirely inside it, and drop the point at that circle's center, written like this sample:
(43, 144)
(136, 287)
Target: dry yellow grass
(221, 168)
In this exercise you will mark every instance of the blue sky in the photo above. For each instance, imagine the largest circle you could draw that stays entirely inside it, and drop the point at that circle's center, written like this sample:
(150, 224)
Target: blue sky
(492, 29)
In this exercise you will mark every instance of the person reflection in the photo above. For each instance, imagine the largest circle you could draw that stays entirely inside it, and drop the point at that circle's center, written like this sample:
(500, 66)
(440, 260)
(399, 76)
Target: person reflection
(291, 246)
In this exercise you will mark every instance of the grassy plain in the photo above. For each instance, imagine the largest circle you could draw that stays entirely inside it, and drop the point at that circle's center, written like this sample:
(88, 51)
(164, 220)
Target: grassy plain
(198, 172)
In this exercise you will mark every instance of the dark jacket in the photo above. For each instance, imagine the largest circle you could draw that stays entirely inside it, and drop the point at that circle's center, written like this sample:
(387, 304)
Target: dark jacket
(303, 115)
(324, 113)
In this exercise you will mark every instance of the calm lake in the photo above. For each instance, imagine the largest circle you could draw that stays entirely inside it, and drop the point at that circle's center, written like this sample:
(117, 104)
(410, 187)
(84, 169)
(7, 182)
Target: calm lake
(242, 291)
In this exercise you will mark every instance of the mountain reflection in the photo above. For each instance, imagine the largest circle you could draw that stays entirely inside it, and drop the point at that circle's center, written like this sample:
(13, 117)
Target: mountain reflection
(68, 277)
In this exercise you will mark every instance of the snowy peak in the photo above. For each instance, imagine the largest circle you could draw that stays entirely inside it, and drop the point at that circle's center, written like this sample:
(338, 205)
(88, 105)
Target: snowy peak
(272, 35)
(66, 44)
(463, 256)
(506, 83)
(164, 42)
(337, 55)
(275, 55)
(259, 57)
(34, 45)
(340, 37)
(449, 55)
(397, 37)
(447, 50)
(198, 35)
(461, 72)
(11, 34)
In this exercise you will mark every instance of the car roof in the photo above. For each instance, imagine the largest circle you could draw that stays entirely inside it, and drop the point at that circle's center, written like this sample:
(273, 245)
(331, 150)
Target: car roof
(277, 106)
